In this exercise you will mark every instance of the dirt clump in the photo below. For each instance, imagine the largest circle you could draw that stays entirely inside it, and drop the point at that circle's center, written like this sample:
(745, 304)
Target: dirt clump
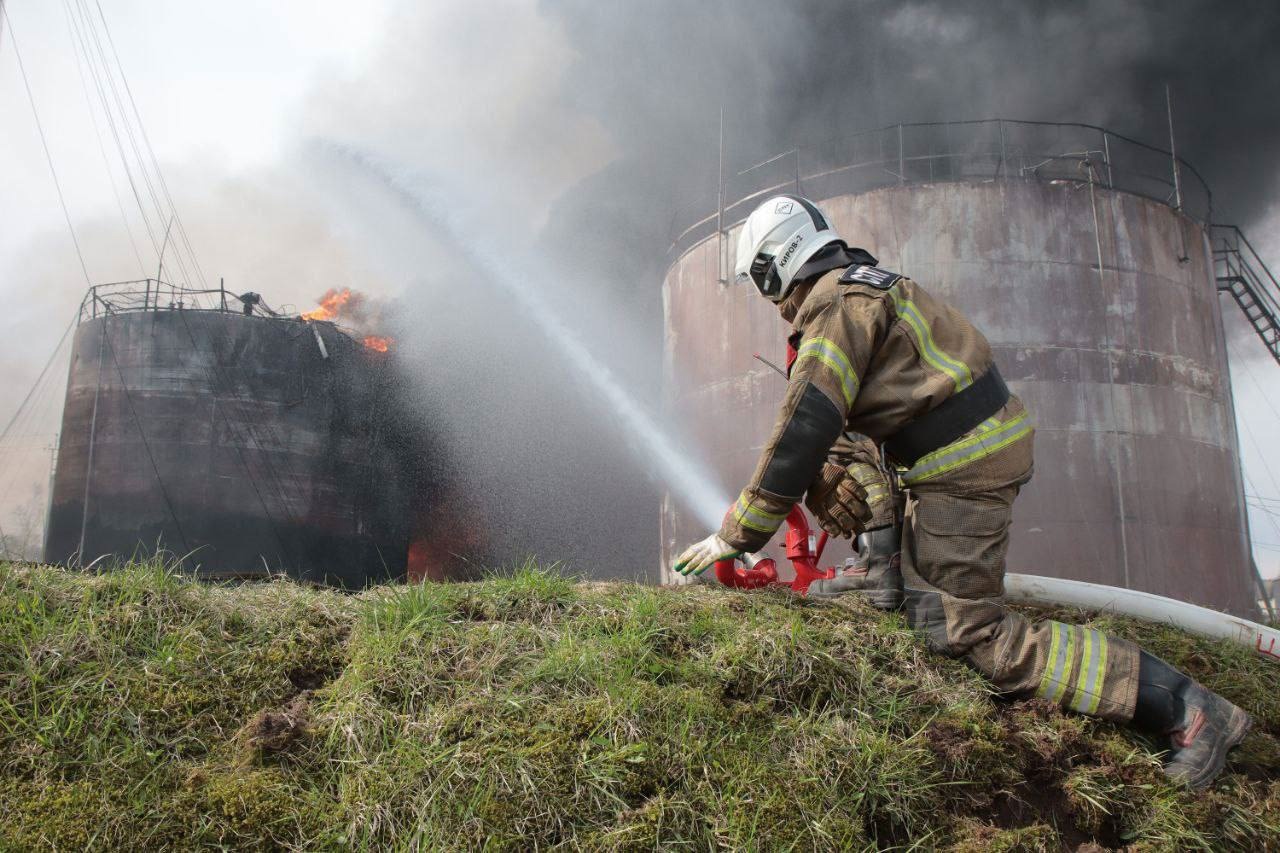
(271, 732)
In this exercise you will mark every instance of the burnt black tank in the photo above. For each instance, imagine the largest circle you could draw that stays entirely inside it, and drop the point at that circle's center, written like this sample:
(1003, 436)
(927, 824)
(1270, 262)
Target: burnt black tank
(242, 444)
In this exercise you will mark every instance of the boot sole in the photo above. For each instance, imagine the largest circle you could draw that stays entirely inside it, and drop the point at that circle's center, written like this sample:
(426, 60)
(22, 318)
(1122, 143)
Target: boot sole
(1236, 730)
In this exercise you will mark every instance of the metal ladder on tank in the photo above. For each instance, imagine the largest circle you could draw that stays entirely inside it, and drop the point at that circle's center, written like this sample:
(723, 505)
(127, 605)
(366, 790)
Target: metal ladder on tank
(1243, 274)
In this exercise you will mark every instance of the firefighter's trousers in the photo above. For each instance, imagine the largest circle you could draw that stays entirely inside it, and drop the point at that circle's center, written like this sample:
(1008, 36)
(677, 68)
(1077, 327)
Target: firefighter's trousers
(954, 541)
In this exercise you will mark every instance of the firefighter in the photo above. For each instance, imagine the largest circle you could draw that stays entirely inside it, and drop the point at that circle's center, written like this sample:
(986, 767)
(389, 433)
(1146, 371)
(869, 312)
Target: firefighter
(878, 354)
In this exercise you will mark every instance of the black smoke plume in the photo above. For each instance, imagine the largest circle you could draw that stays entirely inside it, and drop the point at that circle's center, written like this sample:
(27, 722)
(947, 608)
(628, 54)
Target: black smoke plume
(656, 75)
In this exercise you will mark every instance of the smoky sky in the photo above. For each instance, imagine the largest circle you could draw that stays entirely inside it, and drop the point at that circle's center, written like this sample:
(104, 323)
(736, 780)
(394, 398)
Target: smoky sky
(656, 75)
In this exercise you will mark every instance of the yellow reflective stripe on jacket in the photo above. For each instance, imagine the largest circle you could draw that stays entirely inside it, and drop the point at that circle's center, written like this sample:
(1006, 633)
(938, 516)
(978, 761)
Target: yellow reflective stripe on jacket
(982, 443)
(756, 519)
(825, 351)
(958, 371)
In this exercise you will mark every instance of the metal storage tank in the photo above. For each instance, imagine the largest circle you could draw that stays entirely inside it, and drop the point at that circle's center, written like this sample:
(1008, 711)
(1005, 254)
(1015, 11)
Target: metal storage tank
(243, 441)
(1085, 259)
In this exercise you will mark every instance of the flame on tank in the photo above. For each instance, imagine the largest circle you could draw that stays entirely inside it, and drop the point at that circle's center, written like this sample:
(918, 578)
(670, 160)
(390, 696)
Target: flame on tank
(354, 309)
(330, 304)
(421, 564)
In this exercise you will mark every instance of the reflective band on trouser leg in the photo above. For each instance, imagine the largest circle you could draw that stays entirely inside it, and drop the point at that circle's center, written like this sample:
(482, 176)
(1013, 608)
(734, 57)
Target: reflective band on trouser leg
(957, 370)
(984, 442)
(756, 519)
(1057, 668)
(1091, 669)
(825, 351)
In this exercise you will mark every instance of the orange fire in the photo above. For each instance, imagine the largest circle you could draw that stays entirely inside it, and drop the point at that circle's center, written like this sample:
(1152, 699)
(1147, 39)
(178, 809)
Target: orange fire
(420, 565)
(378, 344)
(330, 304)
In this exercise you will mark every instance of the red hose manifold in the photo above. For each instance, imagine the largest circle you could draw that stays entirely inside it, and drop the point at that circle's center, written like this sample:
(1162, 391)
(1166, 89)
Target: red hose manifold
(765, 572)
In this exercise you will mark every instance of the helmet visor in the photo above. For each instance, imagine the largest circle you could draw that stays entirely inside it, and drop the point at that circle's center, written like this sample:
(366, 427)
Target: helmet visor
(764, 275)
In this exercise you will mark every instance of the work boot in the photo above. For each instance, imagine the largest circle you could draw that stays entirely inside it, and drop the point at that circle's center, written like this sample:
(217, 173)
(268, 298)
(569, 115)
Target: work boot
(876, 573)
(1201, 725)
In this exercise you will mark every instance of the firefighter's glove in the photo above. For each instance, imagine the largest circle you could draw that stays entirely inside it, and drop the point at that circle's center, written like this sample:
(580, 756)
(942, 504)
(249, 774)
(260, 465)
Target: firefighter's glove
(700, 556)
(838, 501)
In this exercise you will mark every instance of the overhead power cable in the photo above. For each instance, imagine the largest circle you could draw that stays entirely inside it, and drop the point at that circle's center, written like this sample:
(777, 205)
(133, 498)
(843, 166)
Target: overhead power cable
(37, 397)
(164, 185)
(133, 143)
(113, 126)
(97, 132)
(44, 143)
(40, 378)
(1262, 391)
(101, 69)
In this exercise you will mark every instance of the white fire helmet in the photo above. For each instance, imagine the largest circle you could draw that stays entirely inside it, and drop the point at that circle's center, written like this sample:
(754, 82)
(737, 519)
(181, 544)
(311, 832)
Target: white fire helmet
(776, 240)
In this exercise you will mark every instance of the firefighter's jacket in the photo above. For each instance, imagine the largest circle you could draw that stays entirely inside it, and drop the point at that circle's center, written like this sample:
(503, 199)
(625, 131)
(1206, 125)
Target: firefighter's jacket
(875, 352)
(861, 457)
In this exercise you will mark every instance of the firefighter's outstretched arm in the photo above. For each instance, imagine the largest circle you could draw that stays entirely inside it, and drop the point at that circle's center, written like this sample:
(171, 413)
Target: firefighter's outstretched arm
(807, 426)
(833, 352)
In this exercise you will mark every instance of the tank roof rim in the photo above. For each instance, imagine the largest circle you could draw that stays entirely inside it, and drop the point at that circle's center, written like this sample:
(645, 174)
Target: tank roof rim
(677, 253)
(674, 251)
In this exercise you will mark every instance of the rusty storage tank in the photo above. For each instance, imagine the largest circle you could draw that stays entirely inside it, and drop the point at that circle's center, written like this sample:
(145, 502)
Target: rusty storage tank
(1084, 257)
(246, 441)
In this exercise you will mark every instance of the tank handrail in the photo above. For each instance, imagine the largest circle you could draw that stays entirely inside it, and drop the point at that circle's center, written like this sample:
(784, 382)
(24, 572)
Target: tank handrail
(145, 294)
(1129, 175)
(1154, 149)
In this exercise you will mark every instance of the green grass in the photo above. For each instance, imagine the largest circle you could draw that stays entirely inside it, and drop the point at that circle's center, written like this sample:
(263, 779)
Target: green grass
(142, 711)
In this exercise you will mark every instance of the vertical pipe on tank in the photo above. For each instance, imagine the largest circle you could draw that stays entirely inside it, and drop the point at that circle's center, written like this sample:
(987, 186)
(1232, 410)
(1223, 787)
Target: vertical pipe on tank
(902, 169)
(720, 206)
(1173, 150)
(1000, 165)
(1106, 155)
(1111, 381)
(93, 424)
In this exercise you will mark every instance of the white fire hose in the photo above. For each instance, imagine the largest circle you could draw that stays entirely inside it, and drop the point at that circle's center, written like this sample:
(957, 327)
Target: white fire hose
(1033, 589)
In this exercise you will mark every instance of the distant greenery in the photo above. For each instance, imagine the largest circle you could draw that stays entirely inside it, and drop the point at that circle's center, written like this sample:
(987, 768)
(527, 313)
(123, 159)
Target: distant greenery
(141, 711)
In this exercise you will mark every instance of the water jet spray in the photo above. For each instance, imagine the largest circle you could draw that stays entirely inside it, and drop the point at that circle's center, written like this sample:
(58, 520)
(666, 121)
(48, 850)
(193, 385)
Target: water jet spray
(429, 202)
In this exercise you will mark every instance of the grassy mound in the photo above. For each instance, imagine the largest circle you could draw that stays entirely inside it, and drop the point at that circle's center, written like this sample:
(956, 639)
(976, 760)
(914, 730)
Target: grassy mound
(141, 711)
